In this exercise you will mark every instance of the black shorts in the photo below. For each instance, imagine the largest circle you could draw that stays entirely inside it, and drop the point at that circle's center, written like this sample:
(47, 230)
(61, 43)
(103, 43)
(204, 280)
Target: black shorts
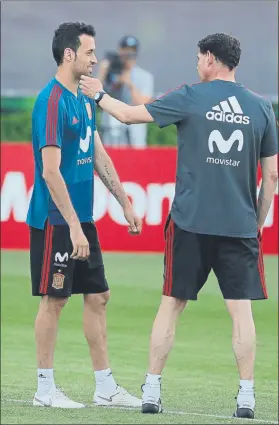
(189, 258)
(54, 273)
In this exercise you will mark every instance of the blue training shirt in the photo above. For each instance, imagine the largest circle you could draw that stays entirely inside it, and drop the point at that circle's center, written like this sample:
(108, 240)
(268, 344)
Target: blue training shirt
(61, 119)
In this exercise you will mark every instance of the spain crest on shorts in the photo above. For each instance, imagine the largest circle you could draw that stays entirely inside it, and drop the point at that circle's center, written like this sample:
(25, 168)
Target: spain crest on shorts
(58, 281)
(89, 110)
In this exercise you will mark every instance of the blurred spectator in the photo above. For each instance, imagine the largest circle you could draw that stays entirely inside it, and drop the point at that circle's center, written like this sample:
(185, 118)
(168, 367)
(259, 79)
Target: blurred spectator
(126, 81)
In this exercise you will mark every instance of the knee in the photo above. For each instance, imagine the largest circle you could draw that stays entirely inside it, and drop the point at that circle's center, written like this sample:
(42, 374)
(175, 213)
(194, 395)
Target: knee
(239, 310)
(97, 302)
(54, 304)
(105, 296)
(173, 304)
(180, 305)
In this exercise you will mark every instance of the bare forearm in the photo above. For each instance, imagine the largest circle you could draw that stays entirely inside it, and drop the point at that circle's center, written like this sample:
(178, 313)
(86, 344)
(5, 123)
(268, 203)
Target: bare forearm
(265, 199)
(116, 108)
(110, 178)
(60, 196)
(119, 110)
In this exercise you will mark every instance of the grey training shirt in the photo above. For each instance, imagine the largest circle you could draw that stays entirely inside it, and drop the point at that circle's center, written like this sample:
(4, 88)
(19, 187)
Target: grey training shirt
(222, 131)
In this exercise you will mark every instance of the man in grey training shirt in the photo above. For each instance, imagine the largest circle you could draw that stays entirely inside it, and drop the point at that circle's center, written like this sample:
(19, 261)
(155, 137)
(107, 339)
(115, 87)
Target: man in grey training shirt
(223, 130)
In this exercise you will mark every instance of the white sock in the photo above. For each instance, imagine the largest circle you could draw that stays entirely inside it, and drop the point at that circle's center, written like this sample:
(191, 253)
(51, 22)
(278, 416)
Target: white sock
(246, 393)
(105, 383)
(45, 381)
(246, 384)
(152, 388)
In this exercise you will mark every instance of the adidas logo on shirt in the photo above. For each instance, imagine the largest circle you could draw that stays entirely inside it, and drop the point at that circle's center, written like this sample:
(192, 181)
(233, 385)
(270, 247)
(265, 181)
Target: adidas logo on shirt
(228, 111)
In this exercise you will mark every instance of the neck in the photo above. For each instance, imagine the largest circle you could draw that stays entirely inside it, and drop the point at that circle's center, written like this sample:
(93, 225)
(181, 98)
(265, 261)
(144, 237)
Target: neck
(67, 80)
(225, 76)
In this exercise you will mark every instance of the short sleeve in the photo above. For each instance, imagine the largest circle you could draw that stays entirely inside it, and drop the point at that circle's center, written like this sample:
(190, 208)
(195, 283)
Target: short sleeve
(49, 121)
(170, 108)
(269, 145)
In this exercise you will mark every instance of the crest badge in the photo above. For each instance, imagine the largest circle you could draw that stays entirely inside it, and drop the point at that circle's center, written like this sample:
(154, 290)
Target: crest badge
(58, 281)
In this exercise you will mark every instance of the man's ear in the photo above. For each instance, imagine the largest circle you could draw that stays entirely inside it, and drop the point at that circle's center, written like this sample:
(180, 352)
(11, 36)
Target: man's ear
(69, 54)
(210, 58)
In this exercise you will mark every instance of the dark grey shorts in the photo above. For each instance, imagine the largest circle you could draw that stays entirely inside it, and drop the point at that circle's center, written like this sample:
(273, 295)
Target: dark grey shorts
(236, 262)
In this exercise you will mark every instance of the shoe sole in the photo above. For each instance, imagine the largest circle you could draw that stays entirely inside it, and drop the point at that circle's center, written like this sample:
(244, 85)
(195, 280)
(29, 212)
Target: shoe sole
(151, 408)
(244, 413)
(116, 405)
(39, 404)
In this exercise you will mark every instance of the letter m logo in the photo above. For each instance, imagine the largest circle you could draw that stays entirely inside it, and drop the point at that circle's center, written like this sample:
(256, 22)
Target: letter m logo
(224, 146)
(59, 257)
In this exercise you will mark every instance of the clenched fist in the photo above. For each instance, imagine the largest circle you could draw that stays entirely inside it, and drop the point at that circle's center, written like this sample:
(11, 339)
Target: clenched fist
(135, 223)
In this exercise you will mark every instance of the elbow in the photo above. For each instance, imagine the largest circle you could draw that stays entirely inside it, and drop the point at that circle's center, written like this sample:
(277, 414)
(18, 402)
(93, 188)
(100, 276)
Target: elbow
(49, 174)
(270, 180)
(97, 162)
(273, 175)
(123, 119)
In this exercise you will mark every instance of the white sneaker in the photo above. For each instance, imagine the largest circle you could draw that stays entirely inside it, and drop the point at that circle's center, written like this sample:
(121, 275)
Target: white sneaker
(56, 398)
(120, 398)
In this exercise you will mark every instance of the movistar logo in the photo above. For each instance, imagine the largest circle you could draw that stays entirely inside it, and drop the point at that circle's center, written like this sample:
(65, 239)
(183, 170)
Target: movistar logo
(224, 146)
(216, 141)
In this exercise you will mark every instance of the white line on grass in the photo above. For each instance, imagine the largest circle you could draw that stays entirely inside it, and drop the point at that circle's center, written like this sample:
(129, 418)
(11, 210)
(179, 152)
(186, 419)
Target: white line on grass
(169, 412)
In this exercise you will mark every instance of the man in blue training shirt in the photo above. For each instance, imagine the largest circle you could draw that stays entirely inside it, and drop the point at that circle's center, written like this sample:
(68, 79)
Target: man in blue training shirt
(216, 220)
(65, 253)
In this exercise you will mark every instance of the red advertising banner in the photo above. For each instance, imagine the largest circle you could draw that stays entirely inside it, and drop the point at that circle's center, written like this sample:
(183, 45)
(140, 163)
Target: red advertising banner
(148, 177)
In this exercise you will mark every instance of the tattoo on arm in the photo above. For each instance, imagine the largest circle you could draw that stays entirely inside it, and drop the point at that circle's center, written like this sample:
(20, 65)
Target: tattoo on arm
(110, 183)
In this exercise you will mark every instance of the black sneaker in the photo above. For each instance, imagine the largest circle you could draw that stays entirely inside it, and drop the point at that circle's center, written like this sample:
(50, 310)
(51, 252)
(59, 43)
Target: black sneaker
(244, 412)
(245, 409)
(151, 405)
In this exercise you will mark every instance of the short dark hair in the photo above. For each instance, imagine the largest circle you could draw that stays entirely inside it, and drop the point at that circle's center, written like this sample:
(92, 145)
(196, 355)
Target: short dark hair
(224, 47)
(67, 36)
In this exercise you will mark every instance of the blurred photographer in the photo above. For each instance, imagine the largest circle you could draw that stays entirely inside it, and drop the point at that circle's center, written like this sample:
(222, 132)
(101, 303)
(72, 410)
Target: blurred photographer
(124, 80)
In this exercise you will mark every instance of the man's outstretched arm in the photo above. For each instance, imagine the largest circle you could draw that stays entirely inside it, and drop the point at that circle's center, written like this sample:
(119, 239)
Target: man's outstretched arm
(121, 111)
(169, 109)
(125, 113)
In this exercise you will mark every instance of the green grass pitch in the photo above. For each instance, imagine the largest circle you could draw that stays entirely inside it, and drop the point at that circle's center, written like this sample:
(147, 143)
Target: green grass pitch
(200, 381)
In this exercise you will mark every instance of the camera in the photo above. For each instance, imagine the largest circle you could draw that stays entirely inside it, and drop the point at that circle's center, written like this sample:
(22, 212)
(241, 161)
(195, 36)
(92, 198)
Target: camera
(116, 67)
